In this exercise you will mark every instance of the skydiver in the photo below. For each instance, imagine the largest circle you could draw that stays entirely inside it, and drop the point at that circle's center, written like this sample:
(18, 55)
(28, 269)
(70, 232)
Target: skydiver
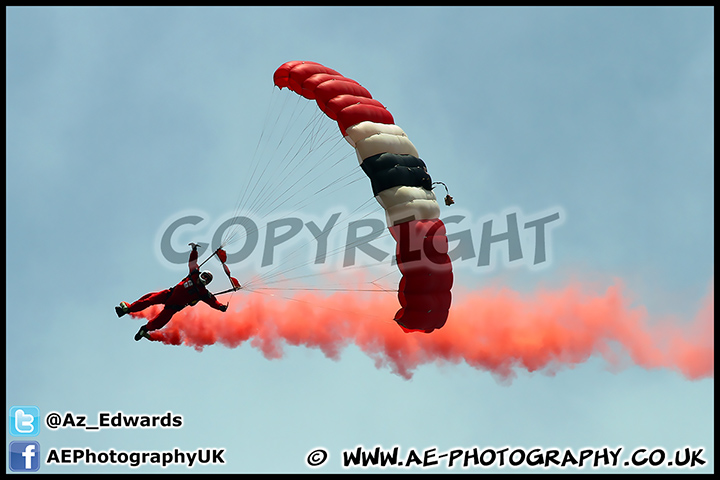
(189, 291)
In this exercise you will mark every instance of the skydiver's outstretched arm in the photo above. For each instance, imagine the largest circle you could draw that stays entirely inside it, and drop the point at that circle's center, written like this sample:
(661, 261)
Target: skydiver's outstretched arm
(192, 263)
(213, 302)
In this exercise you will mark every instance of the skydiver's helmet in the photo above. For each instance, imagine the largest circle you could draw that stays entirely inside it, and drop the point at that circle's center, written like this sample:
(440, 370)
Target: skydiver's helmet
(205, 277)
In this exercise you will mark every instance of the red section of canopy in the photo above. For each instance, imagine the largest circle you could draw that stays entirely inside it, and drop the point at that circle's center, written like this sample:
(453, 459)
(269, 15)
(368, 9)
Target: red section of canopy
(340, 98)
(424, 290)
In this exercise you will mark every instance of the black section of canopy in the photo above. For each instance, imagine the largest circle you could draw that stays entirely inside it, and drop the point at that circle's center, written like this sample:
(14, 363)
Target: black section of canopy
(387, 170)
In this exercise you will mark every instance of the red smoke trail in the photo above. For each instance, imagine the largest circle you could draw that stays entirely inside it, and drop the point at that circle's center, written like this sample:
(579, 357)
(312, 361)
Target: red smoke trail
(494, 329)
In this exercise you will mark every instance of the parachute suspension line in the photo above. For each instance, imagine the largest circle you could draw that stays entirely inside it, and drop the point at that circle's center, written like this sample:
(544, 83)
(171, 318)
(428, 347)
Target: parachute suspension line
(272, 276)
(303, 137)
(255, 158)
(277, 201)
(265, 195)
(259, 152)
(283, 199)
(289, 164)
(340, 184)
(291, 255)
(300, 182)
(258, 187)
(263, 174)
(333, 187)
(313, 289)
(277, 271)
(269, 285)
(263, 131)
(299, 206)
(342, 311)
(385, 289)
(277, 182)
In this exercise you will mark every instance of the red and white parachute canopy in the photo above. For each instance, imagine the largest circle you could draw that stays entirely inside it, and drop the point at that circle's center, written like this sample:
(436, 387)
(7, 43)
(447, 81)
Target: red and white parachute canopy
(400, 183)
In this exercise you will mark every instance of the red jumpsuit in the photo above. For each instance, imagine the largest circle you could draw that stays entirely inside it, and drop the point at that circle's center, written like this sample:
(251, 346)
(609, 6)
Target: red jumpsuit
(188, 292)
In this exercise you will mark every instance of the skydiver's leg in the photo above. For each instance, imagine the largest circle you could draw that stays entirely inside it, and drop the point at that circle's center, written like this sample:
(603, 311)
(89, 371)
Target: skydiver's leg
(162, 319)
(156, 323)
(145, 301)
(142, 333)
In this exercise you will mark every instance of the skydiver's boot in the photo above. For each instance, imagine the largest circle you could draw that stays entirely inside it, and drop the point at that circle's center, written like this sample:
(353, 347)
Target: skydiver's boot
(142, 333)
(122, 309)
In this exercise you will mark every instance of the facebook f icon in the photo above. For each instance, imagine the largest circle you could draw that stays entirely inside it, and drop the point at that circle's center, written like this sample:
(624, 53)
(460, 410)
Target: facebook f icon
(24, 421)
(24, 456)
